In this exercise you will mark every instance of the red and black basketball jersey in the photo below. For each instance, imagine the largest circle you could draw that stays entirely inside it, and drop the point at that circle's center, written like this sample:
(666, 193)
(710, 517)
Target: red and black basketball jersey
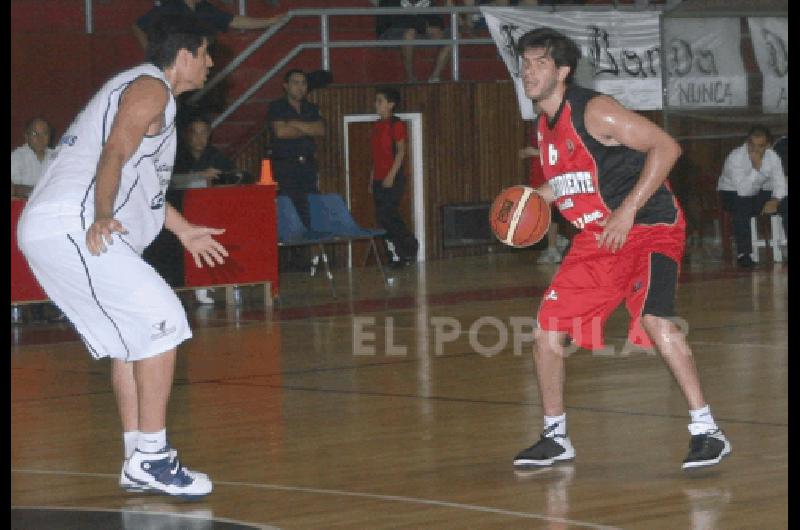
(536, 174)
(590, 179)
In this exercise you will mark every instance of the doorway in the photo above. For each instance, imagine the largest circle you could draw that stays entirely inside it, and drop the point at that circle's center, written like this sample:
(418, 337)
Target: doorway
(357, 159)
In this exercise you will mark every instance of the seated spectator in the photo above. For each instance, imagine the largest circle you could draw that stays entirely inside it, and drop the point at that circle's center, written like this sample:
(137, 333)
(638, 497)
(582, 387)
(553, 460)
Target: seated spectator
(410, 27)
(29, 160)
(196, 156)
(752, 183)
(781, 147)
(28, 164)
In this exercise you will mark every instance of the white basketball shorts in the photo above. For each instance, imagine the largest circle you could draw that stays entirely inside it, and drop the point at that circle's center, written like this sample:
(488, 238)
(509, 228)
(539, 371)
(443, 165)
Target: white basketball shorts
(118, 303)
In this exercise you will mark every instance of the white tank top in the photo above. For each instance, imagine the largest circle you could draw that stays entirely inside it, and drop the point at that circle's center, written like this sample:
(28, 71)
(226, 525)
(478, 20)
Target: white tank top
(63, 199)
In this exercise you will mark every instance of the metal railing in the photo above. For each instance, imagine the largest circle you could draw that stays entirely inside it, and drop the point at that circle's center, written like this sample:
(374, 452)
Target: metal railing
(325, 44)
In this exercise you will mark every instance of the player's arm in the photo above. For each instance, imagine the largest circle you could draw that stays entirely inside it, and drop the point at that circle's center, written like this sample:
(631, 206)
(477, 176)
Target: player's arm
(197, 240)
(245, 22)
(141, 105)
(289, 129)
(286, 129)
(612, 124)
(546, 191)
(400, 155)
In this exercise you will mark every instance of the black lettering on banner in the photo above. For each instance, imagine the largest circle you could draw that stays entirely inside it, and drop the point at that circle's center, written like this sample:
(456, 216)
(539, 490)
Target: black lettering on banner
(783, 98)
(651, 62)
(633, 64)
(682, 58)
(629, 57)
(714, 92)
(510, 46)
(599, 49)
(778, 54)
(706, 63)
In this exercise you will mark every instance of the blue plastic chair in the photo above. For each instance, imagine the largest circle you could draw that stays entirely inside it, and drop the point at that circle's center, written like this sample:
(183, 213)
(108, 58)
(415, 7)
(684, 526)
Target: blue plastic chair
(292, 232)
(329, 213)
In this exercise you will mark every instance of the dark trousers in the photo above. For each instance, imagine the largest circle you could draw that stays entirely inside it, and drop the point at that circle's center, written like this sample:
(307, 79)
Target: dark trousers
(297, 180)
(387, 210)
(299, 199)
(744, 208)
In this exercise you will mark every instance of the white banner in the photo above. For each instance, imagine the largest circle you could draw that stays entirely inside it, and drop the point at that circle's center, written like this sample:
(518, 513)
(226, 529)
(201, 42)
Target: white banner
(704, 66)
(770, 37)
(622, 56)
(621, 50)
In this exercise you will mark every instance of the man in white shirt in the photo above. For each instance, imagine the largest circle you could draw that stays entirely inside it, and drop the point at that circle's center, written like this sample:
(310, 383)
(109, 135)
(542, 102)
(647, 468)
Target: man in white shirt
(781, 148)
(28, 161)
(752, 183)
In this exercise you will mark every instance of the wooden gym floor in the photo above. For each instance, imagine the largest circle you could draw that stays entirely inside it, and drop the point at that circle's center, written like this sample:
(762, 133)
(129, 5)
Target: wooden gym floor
(356, 414)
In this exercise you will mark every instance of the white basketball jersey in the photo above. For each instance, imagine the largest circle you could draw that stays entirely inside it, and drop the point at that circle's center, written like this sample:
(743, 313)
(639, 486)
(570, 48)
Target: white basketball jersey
(66, 192)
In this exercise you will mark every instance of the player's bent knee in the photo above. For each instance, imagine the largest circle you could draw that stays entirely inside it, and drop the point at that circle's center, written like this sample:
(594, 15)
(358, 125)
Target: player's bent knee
(549, 342)
(658, 324)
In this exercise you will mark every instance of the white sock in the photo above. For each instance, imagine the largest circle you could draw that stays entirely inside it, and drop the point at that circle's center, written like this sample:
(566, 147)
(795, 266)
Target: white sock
(130, 440)
(152, 442)
(703, 420)
(561, 428)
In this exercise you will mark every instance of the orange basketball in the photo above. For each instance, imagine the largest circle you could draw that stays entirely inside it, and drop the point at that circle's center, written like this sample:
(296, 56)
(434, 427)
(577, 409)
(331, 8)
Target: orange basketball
(519, 216)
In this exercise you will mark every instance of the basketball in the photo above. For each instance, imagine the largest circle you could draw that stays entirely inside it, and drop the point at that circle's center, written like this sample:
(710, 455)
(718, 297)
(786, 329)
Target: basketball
(519, 216)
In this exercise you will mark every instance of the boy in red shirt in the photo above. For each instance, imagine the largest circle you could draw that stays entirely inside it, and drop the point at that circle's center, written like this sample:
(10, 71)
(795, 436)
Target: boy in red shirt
(388, 139)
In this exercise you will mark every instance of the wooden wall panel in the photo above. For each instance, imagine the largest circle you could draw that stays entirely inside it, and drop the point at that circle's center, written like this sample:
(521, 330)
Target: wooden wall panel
(472, 133)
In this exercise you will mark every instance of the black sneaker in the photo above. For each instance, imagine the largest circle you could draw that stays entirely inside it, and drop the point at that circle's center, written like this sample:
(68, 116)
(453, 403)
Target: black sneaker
(550, 448)
(745, 262)
(707, 449)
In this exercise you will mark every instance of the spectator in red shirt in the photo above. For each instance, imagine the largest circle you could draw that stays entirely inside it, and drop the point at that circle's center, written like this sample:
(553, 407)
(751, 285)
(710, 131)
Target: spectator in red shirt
(387, 177)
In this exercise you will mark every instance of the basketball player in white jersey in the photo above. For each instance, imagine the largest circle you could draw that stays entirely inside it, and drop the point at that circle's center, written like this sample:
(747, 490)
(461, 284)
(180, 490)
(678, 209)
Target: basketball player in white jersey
(83, 230)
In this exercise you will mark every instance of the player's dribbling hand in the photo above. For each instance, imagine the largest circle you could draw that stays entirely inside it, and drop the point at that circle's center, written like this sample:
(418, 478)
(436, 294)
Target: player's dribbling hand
(198, 242)
(615, 229)
(101, 232)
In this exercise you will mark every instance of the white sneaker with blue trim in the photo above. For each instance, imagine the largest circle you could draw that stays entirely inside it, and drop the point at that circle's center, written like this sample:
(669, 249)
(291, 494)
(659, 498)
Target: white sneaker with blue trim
(163, 472)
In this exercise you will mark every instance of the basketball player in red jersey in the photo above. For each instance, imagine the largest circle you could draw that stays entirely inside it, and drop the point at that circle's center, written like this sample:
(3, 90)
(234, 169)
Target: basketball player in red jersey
(606, 170)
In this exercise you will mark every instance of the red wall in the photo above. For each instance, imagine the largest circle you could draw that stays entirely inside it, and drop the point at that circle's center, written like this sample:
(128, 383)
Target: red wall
(56, 66)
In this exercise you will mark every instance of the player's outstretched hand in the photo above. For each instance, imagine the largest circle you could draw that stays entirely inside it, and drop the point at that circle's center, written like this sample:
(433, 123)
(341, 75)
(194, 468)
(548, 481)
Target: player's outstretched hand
(615, 229)
(101, 232)
(198, 241)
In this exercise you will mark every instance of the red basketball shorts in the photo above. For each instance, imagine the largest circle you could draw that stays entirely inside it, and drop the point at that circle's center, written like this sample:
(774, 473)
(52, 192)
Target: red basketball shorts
(592, 282)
